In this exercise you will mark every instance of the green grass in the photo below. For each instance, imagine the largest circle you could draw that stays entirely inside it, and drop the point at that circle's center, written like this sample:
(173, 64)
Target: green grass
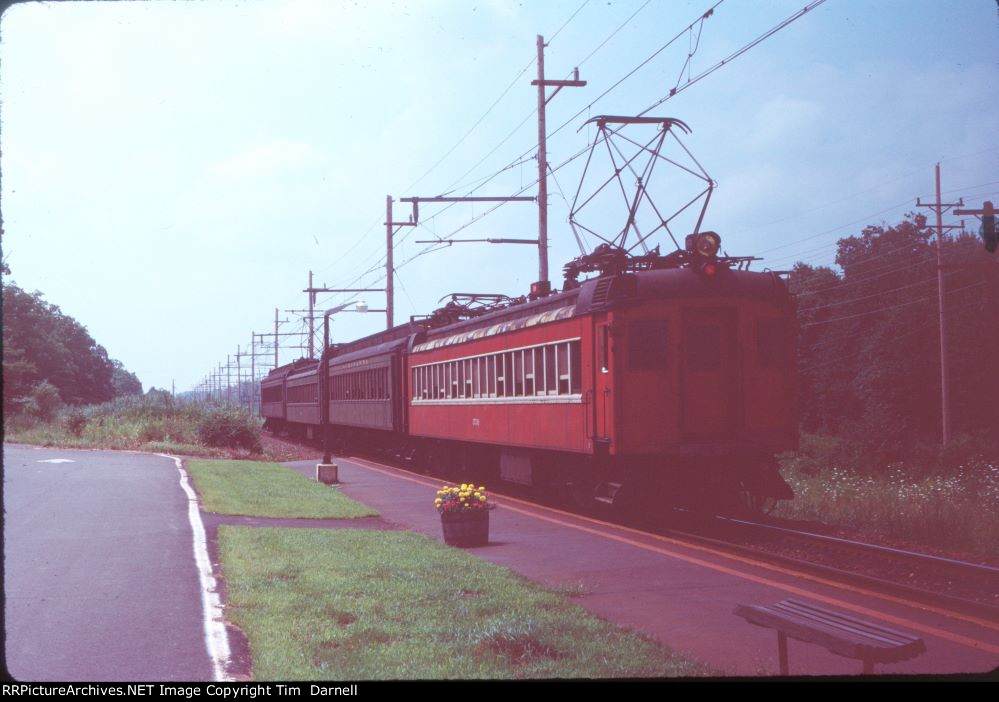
(258, 489)
(350, 604)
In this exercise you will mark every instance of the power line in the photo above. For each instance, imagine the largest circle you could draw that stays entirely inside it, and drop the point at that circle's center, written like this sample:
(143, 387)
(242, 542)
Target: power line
(892, 307)
(731, 57)
(852, 300)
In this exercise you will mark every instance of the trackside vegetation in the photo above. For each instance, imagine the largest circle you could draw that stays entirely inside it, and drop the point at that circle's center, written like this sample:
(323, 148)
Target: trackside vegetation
(931, 498)
(151, 422)
(329, 604)
(257, 489)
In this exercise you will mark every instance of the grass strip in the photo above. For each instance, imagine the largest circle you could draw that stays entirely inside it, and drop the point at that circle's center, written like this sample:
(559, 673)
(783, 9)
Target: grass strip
(256, 489)
(351, 604)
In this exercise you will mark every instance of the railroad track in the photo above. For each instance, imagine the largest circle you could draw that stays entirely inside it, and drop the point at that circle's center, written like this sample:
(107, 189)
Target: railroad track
(967, 587)
(964, 586)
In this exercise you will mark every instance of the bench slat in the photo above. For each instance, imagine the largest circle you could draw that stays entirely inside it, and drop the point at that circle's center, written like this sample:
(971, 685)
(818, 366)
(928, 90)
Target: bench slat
(839, 633)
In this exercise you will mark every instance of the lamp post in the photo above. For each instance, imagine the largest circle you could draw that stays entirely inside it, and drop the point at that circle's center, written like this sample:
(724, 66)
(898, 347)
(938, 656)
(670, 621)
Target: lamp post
(324, 379)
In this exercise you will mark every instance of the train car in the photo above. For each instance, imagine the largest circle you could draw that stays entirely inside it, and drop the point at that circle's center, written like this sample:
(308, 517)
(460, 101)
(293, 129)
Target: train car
(273, 397)
(669, 384)
(368, 390)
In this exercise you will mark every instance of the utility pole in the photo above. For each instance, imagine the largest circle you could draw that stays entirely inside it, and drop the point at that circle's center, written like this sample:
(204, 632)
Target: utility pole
(389, 268)
(543, 158)
(312, 333)
(253, 373)
(239, 378)
(939, 207)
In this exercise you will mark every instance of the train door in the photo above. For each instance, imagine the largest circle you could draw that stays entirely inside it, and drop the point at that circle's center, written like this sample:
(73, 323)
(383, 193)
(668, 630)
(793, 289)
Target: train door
(603, 386)
(708, 374)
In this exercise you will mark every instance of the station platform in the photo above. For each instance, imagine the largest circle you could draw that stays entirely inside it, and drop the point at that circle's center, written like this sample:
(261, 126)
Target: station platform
(681, 595)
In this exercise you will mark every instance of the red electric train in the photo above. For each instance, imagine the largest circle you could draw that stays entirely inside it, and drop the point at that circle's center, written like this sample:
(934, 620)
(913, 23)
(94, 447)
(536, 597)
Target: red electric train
(664, 381)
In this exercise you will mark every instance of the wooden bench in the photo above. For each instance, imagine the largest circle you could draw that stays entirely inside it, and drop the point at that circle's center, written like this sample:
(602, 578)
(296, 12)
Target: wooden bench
(839, 633)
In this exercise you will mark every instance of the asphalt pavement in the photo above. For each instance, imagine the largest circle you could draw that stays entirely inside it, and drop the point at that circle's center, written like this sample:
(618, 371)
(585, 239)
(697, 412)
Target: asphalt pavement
(100, 580)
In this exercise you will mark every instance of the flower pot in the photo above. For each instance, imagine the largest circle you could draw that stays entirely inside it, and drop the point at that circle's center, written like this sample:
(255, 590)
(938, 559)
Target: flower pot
(466, 528)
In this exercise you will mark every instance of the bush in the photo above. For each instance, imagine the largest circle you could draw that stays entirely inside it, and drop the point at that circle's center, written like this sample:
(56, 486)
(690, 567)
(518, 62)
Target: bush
(44, 401)
(230, 427)
(76, 421)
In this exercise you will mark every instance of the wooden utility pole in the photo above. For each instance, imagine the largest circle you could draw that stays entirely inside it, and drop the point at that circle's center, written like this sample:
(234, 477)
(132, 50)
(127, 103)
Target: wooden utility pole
(253, 373)
(389, 268)
(938, 207)
(312, 302)
(543, 155)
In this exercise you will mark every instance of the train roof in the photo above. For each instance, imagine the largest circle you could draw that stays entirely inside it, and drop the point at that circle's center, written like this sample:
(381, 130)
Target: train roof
(350, 354)
(592, 295)
(288, 369)
(607, 292)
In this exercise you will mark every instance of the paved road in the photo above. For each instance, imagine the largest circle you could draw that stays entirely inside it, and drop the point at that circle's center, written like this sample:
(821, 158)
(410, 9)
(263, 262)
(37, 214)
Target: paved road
(100, 581)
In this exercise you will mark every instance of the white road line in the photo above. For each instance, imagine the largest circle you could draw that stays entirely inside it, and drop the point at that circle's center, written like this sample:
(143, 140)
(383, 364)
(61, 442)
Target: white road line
(216, 639)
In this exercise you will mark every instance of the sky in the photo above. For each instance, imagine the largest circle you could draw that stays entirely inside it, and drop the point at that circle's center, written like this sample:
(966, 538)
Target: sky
(172, 171)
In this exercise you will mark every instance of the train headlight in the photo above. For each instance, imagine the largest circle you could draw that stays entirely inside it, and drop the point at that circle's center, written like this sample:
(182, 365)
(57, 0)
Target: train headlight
(707, 244)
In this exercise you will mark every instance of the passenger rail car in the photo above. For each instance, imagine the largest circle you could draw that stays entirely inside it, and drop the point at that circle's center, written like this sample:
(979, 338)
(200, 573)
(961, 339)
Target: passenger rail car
(641, 388)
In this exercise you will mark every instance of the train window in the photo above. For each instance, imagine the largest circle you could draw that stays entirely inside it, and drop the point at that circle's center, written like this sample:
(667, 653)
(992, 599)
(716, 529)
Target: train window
(770, 345)
(518, 373)
(562, 363)
(704, 347)
(508, 377)
(551, 369)
(647, 344)
(529, 371)
(491, 376)
(500, 375)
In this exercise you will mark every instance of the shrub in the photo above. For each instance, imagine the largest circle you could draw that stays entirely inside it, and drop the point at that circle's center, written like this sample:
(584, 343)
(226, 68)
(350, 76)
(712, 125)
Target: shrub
(44, 401)
(229, 427)
(76, 421)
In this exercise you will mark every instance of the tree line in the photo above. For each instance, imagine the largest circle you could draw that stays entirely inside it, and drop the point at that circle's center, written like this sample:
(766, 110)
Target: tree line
(869, 337)
(49, 359)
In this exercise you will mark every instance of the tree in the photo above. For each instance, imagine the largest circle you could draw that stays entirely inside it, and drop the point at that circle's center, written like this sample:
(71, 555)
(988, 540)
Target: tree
(869, 339)
(124, 383)
(43, 345)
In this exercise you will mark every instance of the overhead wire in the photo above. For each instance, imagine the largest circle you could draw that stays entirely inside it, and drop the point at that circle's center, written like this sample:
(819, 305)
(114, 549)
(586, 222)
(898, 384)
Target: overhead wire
(674, 91)
(891, 307)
